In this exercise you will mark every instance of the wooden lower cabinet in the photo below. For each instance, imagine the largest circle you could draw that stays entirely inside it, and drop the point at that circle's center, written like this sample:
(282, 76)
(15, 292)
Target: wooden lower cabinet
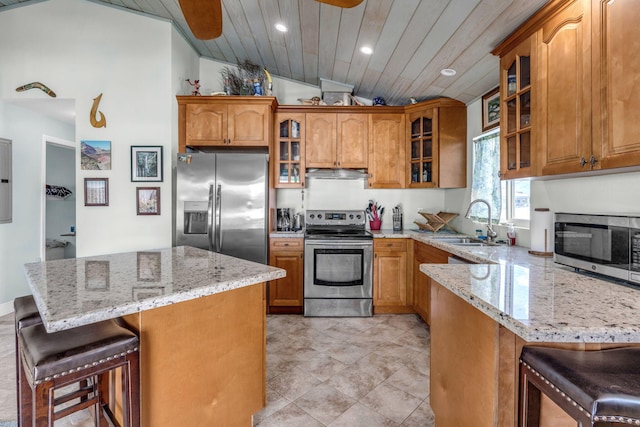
(424, 254)
(392, 292)
(285, 295)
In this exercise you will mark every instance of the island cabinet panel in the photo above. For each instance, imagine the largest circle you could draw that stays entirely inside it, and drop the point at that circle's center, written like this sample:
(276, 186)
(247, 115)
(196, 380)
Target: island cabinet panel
(285, 295)
(202, 361)
(564, 79)
(387, 150)
(616, 92)
(230, 121)
(337, 140)
(424, 254)
(464, 373)
(391, 293)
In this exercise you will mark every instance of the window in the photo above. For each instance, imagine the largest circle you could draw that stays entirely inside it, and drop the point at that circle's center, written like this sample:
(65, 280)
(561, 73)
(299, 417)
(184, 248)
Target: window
(510, 200)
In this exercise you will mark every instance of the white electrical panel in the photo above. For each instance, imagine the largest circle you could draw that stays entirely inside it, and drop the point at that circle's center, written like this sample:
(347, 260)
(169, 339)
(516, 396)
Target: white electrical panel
(5, 181)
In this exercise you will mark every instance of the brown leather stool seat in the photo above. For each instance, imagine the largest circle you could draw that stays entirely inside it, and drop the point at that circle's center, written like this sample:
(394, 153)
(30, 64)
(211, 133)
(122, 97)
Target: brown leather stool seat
(51, 361)
(26, 314)
(590, 386)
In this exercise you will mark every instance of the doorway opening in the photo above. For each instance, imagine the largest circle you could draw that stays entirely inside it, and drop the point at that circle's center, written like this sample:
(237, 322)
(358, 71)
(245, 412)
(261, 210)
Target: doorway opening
(59, 193)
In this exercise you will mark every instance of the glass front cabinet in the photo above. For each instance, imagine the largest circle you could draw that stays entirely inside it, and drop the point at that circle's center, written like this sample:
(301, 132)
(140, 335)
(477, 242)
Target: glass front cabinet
(289, 166)
(423, 151)
(517, 144)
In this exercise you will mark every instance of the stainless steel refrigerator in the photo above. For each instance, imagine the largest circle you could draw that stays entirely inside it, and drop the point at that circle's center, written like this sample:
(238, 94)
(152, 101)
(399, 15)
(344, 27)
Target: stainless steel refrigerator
(221, 203)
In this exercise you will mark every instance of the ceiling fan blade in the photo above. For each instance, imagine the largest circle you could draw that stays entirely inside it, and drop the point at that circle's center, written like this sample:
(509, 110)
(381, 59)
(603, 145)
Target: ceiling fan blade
(342, 3)
(204, 17)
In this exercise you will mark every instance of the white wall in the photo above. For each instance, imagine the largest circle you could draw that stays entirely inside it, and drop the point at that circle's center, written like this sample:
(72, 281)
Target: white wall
(81, 49)
(20, 239)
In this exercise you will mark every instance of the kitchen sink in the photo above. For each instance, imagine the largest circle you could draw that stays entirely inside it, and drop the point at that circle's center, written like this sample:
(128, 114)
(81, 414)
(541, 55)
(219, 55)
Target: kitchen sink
(463, 241)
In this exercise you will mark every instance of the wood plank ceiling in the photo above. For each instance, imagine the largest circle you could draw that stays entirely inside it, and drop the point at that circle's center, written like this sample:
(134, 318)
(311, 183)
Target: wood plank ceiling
(412, 41)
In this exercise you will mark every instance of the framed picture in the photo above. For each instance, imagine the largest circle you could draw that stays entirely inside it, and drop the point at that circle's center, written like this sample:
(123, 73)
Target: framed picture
(149, 266)
(96, 191)
(146, 163)
(95, 155)
(96, 275)
(148, 200)
(491, 109)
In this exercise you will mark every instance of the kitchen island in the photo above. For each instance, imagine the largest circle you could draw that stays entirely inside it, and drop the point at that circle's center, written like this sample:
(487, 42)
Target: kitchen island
(481, 317)
(201, 320)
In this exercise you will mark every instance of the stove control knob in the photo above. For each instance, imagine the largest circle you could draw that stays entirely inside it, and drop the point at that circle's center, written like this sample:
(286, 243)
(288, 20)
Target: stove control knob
(359, 216)
(319, 216)
(312, 216)
(350, 216)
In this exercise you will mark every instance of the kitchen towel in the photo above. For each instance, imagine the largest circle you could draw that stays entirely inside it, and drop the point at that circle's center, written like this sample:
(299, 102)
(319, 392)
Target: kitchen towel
(542, 232)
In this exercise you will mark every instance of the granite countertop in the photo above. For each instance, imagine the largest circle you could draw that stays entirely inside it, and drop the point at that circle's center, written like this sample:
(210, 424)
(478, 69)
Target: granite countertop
(79, 291)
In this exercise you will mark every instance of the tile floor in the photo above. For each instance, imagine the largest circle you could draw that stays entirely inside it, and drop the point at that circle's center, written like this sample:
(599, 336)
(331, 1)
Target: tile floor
(320, 372)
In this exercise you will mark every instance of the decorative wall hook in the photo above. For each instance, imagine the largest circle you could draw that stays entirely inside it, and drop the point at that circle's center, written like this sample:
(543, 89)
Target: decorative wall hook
(95, 122)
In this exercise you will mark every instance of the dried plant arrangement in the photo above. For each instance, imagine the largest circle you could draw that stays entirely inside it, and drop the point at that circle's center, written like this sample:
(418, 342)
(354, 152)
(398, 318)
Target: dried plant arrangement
(245, 71)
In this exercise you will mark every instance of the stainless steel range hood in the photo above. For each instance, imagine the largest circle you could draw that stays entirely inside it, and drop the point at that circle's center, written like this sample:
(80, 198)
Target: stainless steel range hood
(337, 174)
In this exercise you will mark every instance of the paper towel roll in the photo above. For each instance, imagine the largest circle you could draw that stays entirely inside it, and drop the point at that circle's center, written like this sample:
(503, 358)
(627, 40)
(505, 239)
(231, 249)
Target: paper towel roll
(542, 232)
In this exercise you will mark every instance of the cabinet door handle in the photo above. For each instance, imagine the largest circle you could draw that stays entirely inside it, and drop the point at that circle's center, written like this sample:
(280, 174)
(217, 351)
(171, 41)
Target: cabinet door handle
(499, 174)
(593, 161)
(286, 244)
(302, 255)
(583, 161)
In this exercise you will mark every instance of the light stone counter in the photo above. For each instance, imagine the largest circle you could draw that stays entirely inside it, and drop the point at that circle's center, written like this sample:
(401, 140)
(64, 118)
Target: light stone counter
(79, 291)
(532, 296)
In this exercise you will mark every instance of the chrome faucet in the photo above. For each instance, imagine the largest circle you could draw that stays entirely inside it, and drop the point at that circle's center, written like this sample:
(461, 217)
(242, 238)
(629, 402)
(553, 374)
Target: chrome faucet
(490, 233)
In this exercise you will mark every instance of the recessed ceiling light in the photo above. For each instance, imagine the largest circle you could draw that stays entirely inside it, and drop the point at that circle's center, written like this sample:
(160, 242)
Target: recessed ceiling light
(448, 72)
(366, 50)
(281, 27)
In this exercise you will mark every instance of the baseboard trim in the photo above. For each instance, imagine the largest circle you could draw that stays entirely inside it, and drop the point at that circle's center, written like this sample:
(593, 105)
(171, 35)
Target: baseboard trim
(6, 308)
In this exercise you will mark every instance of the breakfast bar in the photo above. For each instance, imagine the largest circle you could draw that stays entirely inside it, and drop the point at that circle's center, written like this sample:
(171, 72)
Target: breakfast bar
(201, 320)
(481, 317)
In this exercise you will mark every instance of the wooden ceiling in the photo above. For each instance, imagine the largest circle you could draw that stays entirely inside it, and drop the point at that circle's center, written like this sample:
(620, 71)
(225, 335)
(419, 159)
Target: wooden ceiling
(412, 41)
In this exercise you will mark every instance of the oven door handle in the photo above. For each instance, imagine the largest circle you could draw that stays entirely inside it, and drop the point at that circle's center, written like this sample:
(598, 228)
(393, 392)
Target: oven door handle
(338, 243)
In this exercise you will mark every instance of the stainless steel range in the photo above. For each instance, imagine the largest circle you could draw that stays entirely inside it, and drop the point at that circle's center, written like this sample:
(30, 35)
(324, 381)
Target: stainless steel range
(338, 264)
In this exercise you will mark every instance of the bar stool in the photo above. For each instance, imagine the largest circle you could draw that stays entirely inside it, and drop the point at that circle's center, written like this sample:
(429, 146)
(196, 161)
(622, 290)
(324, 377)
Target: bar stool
(84, 355)
(26, 314)
(590, 386)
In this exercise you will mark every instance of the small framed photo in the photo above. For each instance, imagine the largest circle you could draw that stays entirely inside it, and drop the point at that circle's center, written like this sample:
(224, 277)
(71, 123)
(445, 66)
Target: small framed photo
(146, 163)
(148, 200)
(96, 275)
(95, 155)
(491, 109)
(96, 191)
(149, 266)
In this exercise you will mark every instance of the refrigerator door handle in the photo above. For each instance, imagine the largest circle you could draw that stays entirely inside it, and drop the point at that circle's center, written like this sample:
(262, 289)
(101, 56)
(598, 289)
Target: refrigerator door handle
(219, 219)
(211, 223)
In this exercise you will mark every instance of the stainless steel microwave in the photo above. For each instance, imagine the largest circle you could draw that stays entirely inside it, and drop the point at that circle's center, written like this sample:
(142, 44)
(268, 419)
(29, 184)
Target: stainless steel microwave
(604, 244)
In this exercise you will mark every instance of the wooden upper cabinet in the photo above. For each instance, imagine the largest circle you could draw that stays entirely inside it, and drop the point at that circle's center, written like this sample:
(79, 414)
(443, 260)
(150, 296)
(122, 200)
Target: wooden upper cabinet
(564, 91)
(336, 140)
(387, 150)
(436, 133)
(320, 142)
(616, 92)
(288, 153)
(352, 140)
(224, 121)
(517, 112)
